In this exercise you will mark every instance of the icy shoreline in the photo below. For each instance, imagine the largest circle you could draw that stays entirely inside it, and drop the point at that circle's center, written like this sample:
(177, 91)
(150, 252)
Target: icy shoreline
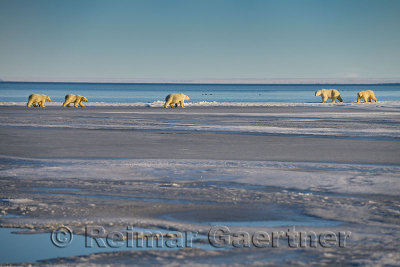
(159, 103)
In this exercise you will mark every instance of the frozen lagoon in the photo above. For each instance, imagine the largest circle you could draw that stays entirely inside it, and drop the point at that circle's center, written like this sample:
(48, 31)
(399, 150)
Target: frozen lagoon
(201, 165)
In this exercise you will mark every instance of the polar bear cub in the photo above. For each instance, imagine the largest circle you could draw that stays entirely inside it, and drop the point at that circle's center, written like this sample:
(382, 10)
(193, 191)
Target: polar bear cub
(173, 100)
(329, 93)
(368, 94)
(37, 100)
(76, 99)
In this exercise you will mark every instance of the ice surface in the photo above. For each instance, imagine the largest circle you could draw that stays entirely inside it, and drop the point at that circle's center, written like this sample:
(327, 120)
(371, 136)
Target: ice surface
(374, 120)
(328, 177)
(337, 162)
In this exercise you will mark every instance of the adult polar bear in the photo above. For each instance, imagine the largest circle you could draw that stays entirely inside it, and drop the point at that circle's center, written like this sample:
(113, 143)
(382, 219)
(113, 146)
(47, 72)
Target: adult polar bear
(329, 93)
(368, 94)
(76, 99)
(37, 100)
(173, 100)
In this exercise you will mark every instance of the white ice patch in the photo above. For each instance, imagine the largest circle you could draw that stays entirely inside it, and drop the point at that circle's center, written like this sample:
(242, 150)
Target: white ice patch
(17, 200)
(299, 131)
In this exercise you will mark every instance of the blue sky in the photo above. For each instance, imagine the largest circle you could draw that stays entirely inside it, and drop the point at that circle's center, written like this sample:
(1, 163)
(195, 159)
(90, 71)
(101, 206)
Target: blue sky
(202, 39)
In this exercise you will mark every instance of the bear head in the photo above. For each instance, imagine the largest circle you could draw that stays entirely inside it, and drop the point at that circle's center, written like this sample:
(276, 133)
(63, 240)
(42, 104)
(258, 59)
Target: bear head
(187, 98)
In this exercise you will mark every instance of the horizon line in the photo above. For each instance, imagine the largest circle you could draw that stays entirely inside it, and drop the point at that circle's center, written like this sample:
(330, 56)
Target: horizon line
(214, 81)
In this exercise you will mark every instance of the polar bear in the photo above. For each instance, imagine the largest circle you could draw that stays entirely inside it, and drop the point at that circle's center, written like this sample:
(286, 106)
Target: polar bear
(76, 99)
(37, 100)
(368, 94)
(174, 99)
(329, 93)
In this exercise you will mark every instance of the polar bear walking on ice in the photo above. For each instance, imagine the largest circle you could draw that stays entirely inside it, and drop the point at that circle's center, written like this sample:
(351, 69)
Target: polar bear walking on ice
(329, 93)
(76, 99)
(37, 100)
(368, 94)
(174, 99)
